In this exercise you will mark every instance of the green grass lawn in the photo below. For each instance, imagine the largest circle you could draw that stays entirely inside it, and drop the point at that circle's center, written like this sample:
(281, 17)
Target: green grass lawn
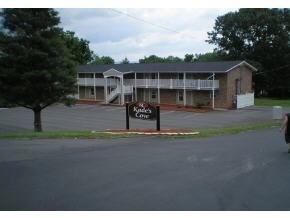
(272, 102)
(61, 135)
(209, 132)
(204, 132)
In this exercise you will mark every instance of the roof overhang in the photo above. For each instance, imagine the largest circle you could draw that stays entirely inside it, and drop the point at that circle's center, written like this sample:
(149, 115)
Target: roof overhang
(114, 73)
(243, 63)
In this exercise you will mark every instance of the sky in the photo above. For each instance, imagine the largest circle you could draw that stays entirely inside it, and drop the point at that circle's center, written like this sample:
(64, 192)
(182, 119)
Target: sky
(138, 32)
(134, 29)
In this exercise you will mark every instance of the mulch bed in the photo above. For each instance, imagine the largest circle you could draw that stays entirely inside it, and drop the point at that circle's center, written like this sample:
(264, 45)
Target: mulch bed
(184, 108)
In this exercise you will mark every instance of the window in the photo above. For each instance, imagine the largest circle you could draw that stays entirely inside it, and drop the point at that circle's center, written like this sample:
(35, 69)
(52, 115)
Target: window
(180, 96)
(180, 76)
(210, 95)
(82, 75)
(153, 94)
(92, 91)
(99, 75)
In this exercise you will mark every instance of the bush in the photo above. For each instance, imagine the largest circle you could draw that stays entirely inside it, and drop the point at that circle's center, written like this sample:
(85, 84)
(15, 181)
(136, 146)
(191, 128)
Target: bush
(199, 105)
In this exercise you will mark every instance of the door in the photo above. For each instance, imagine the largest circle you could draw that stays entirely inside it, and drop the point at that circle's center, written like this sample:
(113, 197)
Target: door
(180, 97)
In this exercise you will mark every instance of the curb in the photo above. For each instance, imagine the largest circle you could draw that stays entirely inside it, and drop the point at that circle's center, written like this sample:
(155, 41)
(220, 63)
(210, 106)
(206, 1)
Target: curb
(155, 133)
(149, 133)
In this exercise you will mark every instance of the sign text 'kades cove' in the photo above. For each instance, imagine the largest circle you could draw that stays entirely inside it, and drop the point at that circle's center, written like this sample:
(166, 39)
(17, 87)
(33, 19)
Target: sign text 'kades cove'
(142, 110)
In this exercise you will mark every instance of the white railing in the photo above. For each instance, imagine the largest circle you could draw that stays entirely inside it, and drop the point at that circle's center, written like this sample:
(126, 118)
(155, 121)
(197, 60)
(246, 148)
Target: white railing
(110, 82)
(113, 94)
(245, 100)
(196, 84)
(128, 89)
(175, 83)
(117, 91)
(91, 82)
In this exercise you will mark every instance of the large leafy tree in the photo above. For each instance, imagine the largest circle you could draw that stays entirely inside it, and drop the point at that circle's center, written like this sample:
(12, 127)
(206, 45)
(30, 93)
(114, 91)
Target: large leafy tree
(36, 68)
(151, 59)
(102, 60)
(260, 36)
(188, 58)
(156, 59)
(78, 47)
(172, 59)
(207, 57)
(125, 61)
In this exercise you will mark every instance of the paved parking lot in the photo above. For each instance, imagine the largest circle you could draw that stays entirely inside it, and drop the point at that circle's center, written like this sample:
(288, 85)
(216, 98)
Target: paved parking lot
(248, 171)
(98, 117)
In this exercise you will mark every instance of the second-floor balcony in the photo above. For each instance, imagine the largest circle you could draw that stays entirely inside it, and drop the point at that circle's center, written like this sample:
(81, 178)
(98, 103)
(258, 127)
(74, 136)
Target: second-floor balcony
(195, 84)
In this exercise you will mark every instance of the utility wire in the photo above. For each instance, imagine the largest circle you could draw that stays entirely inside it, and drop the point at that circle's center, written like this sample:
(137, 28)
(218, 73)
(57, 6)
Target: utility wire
(144, 21)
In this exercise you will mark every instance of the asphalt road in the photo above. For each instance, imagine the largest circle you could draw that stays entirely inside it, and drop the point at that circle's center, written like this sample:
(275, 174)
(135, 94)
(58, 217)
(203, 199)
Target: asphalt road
(92, 117)
(248, 171)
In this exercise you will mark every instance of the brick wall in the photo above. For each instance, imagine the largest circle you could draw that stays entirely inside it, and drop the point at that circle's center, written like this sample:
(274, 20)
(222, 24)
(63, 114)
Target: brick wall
(100, 93)
(143, 95)
(167, 96)
(247, 84)
(201, 98)
(221, 99)
(85, 93)
(238, 80)
(82, 92)
(225, 95)
(140, 94)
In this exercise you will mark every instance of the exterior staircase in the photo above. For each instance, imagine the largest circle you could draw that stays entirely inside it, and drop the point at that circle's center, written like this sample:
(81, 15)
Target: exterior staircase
(117, 92)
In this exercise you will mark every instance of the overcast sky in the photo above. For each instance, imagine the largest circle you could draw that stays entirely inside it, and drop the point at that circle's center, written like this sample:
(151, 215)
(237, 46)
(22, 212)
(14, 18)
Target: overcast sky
(138, 28)
(138, 32)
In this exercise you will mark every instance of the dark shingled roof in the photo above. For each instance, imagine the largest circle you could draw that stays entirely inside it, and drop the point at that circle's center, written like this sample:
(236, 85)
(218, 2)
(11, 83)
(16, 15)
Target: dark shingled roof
(198, 67)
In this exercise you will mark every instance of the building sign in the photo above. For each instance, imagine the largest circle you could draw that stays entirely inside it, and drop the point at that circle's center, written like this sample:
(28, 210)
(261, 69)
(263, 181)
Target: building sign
(142, 110)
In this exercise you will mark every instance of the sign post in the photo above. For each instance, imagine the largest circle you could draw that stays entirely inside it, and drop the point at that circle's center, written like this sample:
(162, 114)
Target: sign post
(127, 116)
(158, 118)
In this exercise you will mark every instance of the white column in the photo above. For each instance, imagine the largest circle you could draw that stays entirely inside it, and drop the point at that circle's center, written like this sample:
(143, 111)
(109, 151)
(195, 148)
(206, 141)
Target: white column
(85, 86)
(122, 91)
(135, 86)
(78, 86)
(213, 89)
(184, 89)
(106, 91)
(95, 90)
(132, 94)
(158, 87)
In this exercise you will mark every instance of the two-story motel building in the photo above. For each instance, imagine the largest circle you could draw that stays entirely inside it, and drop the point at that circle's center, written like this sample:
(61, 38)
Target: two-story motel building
(224, 84)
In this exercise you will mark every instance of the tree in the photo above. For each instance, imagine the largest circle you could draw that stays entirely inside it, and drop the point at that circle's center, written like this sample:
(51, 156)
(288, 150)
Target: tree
(125, 61)
(107, 60)
(102, 60)
(259, 36)
(172, 59)
(151, 59)
(96, 60)
(79, 48)
(209, 56)
(36, 68)
(188, 58)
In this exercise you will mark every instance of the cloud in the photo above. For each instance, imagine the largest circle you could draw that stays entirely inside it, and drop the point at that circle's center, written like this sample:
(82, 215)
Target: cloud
(135, 33)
